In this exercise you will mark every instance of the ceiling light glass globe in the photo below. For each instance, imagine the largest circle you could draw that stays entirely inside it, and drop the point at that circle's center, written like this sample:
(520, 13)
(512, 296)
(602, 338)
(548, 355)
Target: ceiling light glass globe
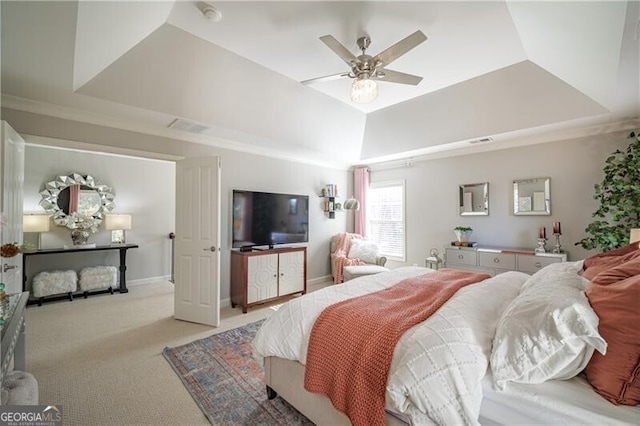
(364, 90)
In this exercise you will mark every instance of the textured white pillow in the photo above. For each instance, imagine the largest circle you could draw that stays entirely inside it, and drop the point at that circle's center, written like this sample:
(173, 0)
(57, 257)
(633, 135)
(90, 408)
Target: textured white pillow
(549, 331)
(365, 250)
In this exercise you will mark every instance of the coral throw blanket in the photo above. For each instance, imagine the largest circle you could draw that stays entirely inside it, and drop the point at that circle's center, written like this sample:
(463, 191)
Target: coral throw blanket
(341, 258)
(352, 342)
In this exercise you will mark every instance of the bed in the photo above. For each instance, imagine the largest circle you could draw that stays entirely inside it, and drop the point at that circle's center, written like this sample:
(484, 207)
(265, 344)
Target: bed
(456, 367)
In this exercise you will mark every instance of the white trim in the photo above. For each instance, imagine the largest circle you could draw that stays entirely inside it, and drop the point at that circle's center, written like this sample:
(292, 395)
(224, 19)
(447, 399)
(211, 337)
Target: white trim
(225, 302)
(319, 280)
(386, 184)
(150, 280)
(68, 145)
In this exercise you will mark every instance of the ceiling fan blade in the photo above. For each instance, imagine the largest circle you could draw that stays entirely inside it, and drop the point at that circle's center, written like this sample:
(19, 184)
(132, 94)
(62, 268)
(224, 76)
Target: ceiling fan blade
(398, 77)
(338, 49)
(325, 78)
(400, 48)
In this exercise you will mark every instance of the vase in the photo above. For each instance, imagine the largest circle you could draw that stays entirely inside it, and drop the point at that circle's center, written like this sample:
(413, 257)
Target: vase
(79, 237)
(463, 236)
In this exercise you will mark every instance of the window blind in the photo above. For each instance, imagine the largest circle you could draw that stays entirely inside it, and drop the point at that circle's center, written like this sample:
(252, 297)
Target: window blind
(385, 217)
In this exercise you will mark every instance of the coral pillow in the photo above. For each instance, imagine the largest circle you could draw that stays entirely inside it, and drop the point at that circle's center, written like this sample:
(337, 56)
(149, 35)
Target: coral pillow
(618, 273)
(616, 375)
(603, 261)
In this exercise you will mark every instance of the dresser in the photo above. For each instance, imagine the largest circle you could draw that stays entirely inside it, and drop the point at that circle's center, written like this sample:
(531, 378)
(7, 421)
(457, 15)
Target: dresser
(495, 260)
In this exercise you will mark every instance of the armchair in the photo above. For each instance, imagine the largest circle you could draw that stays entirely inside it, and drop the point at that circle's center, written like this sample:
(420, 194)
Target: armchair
(355, 253)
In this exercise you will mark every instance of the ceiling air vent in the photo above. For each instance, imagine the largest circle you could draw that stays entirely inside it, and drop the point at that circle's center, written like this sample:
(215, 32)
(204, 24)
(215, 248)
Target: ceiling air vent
(481, 140)
(188, 126)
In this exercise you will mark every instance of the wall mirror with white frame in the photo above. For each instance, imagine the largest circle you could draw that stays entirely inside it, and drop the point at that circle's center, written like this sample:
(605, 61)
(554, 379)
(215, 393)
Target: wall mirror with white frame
(474, 199)
(532, 196)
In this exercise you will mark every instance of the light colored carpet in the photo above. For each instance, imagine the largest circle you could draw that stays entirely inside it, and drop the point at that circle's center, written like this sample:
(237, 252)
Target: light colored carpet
(101, 358)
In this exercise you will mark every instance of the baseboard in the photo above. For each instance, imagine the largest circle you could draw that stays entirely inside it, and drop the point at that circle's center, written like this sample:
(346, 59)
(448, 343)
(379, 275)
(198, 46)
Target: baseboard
(225, 302)
(320, 280)
(151, 280)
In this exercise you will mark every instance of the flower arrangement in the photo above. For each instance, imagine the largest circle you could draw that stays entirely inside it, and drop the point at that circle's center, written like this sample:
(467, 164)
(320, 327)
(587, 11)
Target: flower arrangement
(82, 222)
(10, 250)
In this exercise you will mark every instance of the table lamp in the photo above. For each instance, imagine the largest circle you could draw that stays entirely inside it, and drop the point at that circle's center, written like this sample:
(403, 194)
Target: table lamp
(35, 223)
(117, 223)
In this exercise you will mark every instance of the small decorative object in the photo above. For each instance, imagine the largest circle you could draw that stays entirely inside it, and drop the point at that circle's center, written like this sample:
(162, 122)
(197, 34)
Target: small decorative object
(433, 261)
(79, 237)
(463, 233)
(81, 227)
(10, 250)
(557, 232)
(338, 206)
(542, 240)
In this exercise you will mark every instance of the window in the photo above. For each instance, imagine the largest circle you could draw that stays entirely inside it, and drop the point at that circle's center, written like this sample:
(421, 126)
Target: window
(385, 217)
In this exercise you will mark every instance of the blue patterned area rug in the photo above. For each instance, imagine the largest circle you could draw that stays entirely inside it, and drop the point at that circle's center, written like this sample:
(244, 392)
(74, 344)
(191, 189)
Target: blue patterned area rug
(226, 382)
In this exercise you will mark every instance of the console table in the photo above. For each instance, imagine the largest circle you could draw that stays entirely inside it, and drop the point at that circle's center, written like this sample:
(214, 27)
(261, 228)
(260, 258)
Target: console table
(13, 341)
(122, 248)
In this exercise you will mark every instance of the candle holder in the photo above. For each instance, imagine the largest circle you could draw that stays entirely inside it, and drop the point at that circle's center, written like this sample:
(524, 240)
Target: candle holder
(542, 242)
(558, 247)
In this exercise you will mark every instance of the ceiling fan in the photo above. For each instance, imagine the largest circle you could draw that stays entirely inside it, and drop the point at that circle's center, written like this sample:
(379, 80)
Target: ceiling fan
(365, 69)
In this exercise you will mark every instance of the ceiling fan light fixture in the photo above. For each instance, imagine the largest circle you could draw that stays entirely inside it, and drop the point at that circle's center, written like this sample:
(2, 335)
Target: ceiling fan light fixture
(364, 90)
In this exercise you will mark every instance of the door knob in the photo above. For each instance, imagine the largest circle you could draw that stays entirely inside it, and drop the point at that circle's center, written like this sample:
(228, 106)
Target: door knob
(7, 267)
(212, 248)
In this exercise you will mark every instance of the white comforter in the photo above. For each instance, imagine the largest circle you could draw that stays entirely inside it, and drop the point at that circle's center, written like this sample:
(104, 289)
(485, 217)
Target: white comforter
(437, 366)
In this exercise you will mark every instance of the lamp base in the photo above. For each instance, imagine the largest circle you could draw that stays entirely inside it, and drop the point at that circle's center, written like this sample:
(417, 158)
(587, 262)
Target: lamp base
(117, 236)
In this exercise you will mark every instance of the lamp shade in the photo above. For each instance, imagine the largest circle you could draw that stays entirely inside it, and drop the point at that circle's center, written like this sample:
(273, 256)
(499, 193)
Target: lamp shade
(35, 223)
(634, 236)
(117, 221)
(351, 204)
(364, 90)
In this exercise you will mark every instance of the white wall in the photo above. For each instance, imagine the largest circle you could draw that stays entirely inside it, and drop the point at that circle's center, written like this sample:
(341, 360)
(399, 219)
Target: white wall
(432, 187)
(574, 166)
(143, 188)
(239, 171)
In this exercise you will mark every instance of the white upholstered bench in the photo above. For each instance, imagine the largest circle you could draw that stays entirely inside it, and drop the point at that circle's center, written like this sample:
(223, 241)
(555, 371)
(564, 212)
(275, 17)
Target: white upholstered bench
(98, 277)
(19, 388)
(48, 283)
(355, 271)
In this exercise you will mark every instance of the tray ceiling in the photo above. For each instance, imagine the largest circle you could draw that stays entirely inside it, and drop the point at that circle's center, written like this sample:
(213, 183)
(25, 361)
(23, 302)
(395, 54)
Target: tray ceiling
(490, 69)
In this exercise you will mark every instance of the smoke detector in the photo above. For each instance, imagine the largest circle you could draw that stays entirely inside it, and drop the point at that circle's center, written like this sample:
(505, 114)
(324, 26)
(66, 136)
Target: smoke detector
(209, 11)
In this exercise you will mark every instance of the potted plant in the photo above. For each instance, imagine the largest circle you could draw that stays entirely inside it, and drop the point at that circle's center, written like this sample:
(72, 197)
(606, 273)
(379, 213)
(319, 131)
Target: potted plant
(463, 233)
(619, 197)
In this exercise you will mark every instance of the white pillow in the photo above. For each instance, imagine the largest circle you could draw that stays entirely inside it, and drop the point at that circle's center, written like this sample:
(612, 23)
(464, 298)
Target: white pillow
(549, 331)
(365, 250)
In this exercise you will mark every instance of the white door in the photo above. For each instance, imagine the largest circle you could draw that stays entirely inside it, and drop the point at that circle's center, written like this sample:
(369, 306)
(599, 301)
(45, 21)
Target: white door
(262, 277)
(197, 250)
(11, 190)
(291, 272)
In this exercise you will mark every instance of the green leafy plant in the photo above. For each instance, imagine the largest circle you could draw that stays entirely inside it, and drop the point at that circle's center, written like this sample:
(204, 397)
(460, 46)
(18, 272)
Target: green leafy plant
(463, 228)
(619, 197)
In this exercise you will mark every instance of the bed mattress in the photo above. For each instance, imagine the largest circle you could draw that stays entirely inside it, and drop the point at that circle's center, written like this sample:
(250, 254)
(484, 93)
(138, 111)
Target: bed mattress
(556, 402)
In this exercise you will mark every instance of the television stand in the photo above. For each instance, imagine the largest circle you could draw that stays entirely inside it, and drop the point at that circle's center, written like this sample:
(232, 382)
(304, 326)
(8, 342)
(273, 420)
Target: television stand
(265, 275)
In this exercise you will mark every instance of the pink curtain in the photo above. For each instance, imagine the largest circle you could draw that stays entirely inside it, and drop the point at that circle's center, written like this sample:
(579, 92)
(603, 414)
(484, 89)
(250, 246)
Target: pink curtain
(360, 186)
(74, 196)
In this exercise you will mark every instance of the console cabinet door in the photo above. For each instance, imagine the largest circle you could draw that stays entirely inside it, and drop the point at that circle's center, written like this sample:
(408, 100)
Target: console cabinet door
(291, 272)
(262, 277)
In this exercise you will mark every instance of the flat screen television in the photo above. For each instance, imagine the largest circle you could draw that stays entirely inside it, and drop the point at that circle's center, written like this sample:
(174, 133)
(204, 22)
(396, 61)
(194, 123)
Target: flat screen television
(267, 219)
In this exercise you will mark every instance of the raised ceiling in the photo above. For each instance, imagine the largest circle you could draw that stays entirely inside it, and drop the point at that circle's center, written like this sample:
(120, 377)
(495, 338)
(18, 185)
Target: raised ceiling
(491, 69)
